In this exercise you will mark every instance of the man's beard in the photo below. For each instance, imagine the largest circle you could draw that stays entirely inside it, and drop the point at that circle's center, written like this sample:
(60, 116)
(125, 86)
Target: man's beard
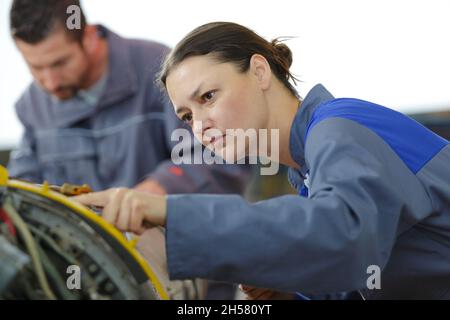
(65, 92)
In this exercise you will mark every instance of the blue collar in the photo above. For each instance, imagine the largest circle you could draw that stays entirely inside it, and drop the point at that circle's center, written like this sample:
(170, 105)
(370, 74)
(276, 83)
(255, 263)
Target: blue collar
(313, 99)
(121, 80)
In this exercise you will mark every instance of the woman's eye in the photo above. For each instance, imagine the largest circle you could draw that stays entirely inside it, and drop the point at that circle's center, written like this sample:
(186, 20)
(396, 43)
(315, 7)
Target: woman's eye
(208, 96)
(187, 118)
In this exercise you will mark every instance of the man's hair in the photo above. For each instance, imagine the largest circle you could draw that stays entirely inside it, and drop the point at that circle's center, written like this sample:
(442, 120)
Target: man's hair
(34, 20)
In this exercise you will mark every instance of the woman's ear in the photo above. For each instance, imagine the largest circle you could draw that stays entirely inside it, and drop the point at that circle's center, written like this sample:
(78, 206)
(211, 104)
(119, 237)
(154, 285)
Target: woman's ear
(259, 66)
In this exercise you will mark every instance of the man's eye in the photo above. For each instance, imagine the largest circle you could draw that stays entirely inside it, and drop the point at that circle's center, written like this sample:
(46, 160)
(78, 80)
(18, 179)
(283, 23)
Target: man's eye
(36, 68)
(208, 96)
(187, 118)
(60, 63)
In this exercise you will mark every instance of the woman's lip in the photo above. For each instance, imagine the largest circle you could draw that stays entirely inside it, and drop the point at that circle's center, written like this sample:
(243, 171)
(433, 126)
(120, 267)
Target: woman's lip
(215, 140)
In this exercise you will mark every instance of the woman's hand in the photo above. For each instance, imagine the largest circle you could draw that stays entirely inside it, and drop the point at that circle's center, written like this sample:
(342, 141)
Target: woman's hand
(253, 293)
(151, 186)
(128, 210)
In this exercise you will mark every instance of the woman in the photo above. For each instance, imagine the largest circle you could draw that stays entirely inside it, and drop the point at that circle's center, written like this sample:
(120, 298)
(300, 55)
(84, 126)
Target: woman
(373, 184)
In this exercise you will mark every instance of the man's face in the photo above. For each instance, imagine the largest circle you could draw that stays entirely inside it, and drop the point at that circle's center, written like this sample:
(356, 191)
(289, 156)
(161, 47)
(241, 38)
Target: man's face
(58, 63)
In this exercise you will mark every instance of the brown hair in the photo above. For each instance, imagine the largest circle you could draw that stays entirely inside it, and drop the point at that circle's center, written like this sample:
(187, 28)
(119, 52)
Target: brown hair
(231, 42)
(34, 20)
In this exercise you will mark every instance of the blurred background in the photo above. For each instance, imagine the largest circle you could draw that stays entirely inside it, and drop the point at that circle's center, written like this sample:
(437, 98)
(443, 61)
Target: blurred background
(395, 53)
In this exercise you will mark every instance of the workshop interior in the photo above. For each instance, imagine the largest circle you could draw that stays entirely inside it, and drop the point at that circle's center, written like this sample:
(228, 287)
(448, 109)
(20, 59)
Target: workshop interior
(52, 247)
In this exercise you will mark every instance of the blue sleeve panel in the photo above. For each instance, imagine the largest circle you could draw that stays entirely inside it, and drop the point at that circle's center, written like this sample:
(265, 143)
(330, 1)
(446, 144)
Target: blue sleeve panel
(410, 140)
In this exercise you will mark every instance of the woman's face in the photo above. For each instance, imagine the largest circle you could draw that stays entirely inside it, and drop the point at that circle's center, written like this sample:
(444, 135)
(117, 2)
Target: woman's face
(212, 97)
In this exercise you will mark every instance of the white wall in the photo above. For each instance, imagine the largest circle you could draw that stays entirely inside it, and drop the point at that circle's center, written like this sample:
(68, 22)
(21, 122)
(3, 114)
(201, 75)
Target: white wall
(393, 52)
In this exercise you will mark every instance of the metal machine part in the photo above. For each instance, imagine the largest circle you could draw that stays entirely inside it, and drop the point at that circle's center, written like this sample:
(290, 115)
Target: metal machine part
(46, 238)
(12, 260)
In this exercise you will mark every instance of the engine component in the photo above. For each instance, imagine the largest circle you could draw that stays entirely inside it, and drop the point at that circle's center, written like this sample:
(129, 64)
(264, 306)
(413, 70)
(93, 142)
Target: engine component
(12, 262)
(54, 248)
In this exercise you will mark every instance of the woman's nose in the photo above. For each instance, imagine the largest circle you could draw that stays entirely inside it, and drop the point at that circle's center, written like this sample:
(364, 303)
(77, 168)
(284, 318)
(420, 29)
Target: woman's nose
(201, 124)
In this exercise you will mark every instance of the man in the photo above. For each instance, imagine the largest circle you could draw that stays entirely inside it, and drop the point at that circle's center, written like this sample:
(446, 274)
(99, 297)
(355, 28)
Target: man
(93, 113)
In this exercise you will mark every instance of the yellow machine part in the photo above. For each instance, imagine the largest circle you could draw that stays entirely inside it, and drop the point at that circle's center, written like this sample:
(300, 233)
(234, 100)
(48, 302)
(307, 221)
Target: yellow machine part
(45, 191)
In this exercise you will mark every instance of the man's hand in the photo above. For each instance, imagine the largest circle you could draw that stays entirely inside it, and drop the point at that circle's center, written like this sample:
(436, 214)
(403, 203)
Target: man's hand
(151, 186)
(128, 209)
(253, 293)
